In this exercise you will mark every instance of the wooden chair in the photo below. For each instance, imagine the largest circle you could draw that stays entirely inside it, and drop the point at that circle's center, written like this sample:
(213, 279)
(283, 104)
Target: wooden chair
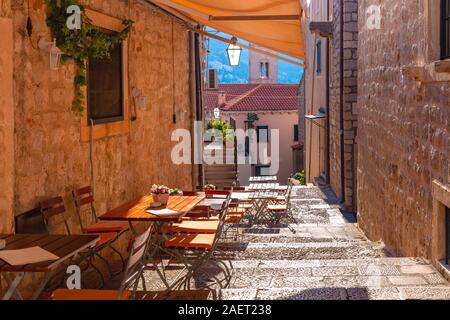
(84, 198)
(202, 247)
(132, 275)
(283, 209)
(54, 207)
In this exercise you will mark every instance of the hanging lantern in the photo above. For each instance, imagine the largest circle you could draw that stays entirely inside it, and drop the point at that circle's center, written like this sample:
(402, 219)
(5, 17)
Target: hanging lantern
(54, 52)
(216, 113)
(234, 52)
(55, 56)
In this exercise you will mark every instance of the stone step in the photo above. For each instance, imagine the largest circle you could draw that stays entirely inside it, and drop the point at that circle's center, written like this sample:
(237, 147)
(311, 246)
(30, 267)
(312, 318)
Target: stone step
(351, 293)
(303, 251)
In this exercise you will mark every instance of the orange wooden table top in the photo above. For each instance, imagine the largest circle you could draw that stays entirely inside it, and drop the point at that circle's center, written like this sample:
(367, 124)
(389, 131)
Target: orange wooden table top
(135, 210)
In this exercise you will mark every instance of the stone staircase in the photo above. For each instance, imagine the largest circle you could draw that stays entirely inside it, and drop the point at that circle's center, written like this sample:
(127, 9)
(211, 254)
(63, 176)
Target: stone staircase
(326, 258)
(220, 175)
(220, 171)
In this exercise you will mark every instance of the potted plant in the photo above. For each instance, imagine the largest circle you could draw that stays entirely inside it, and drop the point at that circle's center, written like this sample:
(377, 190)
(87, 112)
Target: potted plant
(160, 194)
(176, 192)
(209, 187)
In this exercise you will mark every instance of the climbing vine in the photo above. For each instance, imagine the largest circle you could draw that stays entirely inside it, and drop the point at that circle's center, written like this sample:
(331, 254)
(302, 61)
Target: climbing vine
(79, 45)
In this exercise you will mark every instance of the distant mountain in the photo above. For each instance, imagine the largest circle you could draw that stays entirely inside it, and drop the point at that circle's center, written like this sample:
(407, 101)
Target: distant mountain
(218, 59)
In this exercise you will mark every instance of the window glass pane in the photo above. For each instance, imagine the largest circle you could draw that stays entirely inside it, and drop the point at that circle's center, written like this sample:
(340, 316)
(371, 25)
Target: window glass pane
(296, 132)
(105, 100)
(319, 56)
(262, 134)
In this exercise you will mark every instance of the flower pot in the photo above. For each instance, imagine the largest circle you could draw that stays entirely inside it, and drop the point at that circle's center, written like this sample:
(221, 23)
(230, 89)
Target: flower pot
(161, 198)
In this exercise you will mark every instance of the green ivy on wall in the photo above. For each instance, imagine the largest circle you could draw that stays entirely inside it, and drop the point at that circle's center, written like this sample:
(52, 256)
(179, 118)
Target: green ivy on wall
(79, 45)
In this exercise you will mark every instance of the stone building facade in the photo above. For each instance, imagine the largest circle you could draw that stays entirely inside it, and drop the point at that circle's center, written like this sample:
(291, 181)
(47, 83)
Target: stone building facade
(404, 128)
(343, 113)
(262, 68)
(42, 153)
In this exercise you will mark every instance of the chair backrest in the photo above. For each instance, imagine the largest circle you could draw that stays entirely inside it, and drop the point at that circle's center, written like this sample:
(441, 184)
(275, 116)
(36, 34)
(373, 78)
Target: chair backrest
(234, 188)
(30, 222)
(51, 208)
(222, 217)
(190, 193)
(288, 195)
(217, 193)
(136, 261)
(84, 198)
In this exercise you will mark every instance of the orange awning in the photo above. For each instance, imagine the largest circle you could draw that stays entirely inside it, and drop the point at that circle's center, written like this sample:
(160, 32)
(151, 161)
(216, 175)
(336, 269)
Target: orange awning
(272, 24)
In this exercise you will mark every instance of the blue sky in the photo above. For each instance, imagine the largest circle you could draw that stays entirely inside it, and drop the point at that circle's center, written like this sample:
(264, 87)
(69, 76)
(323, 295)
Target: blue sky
(217, 59)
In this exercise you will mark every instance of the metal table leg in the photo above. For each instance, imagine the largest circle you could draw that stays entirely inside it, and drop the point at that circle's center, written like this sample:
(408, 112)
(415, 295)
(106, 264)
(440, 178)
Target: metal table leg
(12, 285)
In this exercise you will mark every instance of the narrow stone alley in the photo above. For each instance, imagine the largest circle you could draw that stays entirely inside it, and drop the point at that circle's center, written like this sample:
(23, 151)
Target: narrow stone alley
(327, 258)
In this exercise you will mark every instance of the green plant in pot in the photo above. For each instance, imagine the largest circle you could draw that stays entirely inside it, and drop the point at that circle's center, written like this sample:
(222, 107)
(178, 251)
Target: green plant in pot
(160, 194)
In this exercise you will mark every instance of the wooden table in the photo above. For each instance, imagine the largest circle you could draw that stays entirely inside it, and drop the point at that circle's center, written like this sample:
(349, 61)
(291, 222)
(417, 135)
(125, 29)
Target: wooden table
(263, 187)
(135, 210)
(63, 246)
(263, 179)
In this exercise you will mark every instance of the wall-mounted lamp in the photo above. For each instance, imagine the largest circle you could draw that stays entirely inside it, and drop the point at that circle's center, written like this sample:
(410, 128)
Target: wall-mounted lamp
(140, 99)
(54, 51)
(216, 113)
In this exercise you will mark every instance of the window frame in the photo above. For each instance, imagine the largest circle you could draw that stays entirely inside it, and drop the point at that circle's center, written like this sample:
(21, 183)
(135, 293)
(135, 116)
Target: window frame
(101, 130)
(444, 30)
(114, 118)
(258, 128)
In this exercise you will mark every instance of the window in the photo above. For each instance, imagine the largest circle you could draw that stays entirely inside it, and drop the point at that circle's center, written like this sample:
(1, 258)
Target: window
(262, 171)
(296, 132)
(264, 70)
(106, 92)
(319, 57)
(105, 88)
(445, 29)
(262, 133)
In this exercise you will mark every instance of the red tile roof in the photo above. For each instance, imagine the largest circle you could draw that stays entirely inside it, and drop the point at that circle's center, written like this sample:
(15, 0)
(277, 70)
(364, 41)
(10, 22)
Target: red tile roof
(254, 97)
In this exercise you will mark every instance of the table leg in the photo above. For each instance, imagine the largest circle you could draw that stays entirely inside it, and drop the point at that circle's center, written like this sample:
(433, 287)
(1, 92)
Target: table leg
(12, 285)
(41, 286)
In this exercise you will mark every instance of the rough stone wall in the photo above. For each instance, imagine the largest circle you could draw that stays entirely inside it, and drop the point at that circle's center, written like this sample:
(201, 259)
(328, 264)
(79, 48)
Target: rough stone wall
(403, 134)
(51, 159)
(350, 90)
(6, 119)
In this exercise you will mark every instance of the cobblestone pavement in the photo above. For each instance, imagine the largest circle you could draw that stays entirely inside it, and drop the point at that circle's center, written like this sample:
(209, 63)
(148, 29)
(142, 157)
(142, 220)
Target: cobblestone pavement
(326, 258)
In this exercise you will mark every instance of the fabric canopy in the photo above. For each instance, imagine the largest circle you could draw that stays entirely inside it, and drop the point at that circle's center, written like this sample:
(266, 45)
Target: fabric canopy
(272, 24)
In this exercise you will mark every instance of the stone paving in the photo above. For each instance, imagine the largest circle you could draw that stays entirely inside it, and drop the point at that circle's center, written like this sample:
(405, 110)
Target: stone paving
(326, 258)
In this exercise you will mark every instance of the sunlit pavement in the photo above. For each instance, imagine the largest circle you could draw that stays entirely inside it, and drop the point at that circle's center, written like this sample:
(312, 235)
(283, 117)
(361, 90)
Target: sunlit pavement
(327, 257)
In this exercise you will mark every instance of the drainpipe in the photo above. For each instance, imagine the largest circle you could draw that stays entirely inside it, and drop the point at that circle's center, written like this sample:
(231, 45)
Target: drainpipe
(193, 98)
(341, 98)
(199, 101)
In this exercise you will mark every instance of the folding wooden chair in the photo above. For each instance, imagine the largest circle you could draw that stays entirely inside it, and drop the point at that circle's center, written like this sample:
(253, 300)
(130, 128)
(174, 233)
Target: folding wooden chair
(55, 207)
(196, 250)
(132, 275)
(281, 209)
(84, 199)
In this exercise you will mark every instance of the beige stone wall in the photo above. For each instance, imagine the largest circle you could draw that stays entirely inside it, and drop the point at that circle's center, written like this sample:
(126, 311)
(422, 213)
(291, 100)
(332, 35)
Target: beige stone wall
(6, 119)
(315, 96)
(50, 157)
(403, 129)
(343, 101)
